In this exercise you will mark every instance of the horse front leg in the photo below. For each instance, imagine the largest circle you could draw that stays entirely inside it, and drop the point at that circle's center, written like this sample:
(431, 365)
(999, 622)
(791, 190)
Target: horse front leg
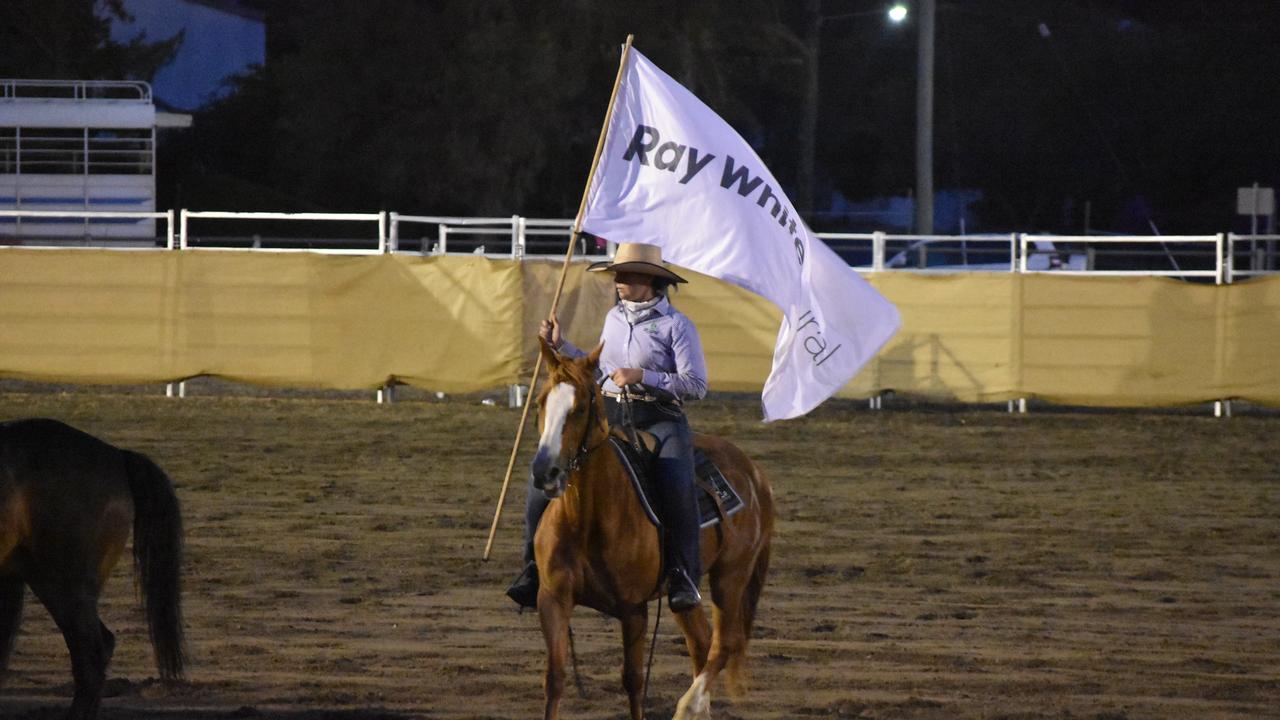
(554, 613)
(695, 704)
(728, 641)
(697, 636)
(634, 622)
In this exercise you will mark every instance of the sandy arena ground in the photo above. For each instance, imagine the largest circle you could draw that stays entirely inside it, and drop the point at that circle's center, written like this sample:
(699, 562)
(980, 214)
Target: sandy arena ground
(928, 564)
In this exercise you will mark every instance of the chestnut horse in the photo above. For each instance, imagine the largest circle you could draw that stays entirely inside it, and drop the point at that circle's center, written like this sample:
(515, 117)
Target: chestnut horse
(67, 504)
(596, 547)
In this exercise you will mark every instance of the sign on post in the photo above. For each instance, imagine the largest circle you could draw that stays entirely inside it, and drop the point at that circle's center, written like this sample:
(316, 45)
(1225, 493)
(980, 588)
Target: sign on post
(1255, 201)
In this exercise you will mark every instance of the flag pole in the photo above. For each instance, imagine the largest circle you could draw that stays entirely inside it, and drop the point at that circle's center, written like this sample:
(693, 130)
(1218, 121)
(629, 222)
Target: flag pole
(555, 300)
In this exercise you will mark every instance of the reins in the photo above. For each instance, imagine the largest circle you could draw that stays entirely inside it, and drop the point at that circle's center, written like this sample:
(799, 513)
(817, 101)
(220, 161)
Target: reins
(629, 414)
(648, 668)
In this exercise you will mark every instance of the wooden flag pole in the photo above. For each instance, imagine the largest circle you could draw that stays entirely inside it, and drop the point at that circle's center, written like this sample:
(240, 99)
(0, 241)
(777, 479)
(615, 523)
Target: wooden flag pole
(555, 300)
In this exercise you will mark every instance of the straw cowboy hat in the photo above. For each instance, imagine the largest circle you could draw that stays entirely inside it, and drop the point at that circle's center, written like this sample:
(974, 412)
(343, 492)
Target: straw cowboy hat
(637, 258)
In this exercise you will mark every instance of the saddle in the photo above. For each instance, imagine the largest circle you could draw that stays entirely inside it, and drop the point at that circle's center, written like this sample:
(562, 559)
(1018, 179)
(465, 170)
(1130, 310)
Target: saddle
(717, 499)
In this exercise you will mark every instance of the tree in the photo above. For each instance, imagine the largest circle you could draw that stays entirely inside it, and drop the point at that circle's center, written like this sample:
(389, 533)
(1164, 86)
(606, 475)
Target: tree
(461, 106)
(71, 40)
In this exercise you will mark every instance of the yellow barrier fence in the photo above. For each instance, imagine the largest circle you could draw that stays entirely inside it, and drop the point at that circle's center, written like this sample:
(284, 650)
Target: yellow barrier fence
(462, 323)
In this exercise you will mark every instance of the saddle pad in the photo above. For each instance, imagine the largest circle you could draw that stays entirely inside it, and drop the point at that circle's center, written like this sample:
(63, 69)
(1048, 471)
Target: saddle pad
(638, 467)
(713, 481)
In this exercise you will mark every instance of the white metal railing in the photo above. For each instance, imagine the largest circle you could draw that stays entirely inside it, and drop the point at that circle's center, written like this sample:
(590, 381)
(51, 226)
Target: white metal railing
(521, 232)
(126, 90)
(1217, 242)
(300, 245)
(1260, 254)
(89, 216)
(986, 252)
(518, 237)
(77, 151)
(482, 226)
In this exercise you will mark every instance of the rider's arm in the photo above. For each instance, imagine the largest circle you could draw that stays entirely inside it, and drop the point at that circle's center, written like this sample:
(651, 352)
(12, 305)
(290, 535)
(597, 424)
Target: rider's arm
(689, 381)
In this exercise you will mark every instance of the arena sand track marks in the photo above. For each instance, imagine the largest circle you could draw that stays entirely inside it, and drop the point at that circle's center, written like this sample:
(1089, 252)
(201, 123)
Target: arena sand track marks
(928, 565)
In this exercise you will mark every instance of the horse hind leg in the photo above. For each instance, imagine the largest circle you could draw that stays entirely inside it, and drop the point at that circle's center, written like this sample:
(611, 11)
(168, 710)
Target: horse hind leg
(75, 611)
(11, 596)
(91, 646)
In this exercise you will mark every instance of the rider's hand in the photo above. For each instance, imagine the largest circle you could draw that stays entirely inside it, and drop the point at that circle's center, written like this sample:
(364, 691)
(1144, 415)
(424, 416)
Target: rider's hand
(623, 377)
(549, 330)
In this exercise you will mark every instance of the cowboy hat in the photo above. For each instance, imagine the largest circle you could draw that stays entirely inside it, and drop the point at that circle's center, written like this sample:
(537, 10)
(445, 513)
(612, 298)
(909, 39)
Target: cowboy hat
(640, 258)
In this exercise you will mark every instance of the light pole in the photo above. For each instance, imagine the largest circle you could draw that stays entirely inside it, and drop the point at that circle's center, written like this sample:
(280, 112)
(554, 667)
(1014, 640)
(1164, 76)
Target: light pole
(924, 119)
(897, 14)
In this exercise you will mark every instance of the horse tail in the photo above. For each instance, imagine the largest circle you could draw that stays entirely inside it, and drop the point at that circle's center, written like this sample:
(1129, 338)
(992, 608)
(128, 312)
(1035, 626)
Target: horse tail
(157, 559)
(735, 668)
(11, 590)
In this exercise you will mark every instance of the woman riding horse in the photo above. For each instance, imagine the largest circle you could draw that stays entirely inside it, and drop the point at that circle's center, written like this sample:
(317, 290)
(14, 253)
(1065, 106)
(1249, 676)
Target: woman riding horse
(653, 353)
(597, 547)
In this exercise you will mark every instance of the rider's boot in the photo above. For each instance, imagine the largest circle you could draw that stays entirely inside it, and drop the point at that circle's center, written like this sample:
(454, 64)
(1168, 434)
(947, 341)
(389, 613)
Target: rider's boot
(525, 589)
(684, 563)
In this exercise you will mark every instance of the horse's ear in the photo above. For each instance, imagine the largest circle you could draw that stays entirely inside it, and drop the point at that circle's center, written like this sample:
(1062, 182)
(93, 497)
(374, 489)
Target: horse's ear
(549, 355)
(593, 359)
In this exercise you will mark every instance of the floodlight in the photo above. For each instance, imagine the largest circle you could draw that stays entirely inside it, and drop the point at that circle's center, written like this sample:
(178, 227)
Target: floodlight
(898, 13)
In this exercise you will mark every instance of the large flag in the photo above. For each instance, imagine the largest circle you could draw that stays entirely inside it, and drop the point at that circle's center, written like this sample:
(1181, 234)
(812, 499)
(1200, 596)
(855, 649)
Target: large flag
(673, 174)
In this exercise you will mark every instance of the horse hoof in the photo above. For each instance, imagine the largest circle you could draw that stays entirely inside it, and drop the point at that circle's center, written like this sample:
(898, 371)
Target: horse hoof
(696, 703)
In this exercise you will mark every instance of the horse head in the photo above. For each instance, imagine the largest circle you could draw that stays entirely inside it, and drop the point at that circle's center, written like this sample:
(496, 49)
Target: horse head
(569, 409)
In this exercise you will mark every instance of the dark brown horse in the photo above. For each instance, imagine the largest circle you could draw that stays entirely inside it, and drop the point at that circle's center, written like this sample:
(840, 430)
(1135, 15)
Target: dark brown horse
(596, 547)
(67, 504)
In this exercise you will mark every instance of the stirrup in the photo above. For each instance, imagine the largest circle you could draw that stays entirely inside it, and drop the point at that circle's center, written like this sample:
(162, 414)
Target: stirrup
(524, 591)
(682, 592)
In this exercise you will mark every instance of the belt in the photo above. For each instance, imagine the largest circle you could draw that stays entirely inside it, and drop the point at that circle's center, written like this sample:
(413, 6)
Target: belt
(638, 398)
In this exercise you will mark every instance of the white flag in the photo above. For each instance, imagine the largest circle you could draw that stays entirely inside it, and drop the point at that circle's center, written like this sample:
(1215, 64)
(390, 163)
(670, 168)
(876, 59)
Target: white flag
(673, 174)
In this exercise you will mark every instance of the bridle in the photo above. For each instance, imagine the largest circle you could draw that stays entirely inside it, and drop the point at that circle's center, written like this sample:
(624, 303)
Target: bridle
(575, 463)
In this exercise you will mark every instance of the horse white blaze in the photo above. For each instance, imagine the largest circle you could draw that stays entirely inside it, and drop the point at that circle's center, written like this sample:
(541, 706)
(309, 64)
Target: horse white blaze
(559, 403)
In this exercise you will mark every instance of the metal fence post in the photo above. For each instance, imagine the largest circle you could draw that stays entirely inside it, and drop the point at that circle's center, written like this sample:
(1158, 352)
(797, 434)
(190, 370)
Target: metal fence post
(1221, 408)
(1018, 266)
(517, 237)
(1231, 257)
(1218, 266)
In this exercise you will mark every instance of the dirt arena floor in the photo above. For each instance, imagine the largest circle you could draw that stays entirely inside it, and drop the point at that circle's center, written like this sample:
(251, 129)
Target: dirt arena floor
(929, 564)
